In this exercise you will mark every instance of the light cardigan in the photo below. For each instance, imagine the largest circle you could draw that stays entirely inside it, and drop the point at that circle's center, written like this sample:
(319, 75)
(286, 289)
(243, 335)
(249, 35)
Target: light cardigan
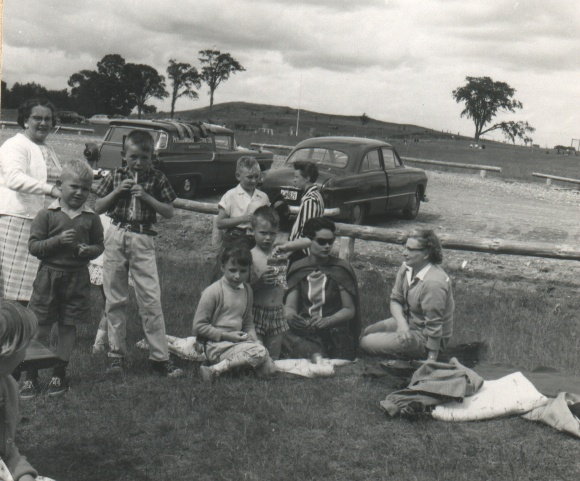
(22, 177)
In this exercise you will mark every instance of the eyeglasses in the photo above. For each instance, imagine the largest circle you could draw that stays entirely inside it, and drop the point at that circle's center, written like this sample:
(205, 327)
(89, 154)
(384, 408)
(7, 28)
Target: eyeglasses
(38, 118)
(324, 242)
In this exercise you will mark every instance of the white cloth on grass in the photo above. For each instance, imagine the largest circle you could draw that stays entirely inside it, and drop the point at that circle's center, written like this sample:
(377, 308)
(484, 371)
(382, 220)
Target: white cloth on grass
(512, 394)
(556, 413)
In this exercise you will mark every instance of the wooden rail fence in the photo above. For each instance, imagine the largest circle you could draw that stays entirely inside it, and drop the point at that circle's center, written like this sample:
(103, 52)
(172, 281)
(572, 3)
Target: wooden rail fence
(349, 233)
(550, 178)
(483, 169)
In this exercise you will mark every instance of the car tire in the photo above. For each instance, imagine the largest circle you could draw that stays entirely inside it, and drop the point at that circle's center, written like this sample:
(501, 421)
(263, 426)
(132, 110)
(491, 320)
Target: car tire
(412, 208)
(358, 214)
(188, 189)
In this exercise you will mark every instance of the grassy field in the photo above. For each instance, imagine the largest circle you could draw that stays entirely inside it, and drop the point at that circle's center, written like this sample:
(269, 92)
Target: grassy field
(147, 428)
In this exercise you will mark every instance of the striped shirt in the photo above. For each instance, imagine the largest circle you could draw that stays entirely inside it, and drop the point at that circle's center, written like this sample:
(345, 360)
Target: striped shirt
(311, 205)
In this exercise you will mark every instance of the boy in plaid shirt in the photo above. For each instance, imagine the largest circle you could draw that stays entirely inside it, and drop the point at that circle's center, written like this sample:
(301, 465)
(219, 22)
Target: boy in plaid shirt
(133, 196)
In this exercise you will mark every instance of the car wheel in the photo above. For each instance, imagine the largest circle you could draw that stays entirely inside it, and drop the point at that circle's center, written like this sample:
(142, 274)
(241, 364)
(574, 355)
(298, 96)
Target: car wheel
(358, 214)
(412, 208)
(188, 188)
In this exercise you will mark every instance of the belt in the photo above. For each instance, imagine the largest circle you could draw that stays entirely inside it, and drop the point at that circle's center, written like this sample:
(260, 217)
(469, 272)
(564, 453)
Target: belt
(136, 227)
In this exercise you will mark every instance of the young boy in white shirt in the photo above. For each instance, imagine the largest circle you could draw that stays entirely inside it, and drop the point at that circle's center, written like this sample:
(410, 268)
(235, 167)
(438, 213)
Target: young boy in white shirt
(237, 205)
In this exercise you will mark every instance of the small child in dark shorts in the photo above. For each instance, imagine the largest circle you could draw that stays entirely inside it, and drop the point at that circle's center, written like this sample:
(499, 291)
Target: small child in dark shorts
(267, 282)
(65, 236)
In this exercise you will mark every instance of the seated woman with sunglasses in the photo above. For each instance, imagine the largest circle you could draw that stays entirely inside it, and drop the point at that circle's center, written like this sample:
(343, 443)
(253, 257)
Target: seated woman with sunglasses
(421, 305)
(322, 302)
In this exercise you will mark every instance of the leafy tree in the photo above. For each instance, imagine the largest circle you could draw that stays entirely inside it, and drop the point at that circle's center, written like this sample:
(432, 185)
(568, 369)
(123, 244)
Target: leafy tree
(104, 90)
(183, 79)
(364, 119)
(217, 68)
(21, 92)
(484, 98)
(144, 83)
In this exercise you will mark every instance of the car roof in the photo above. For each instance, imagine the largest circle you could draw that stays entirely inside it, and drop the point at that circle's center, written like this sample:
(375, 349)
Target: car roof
(346, 142)
(182, 129)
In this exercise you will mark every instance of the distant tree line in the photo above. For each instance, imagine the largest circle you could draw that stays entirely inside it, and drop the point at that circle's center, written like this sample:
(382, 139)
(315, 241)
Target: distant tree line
(117, 87)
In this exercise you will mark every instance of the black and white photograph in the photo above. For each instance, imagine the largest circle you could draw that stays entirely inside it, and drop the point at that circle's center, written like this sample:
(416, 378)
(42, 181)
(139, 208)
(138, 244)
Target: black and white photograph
(273, 240)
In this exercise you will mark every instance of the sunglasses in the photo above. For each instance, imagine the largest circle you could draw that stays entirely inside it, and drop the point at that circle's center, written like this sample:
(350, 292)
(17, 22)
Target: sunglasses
(324, 242)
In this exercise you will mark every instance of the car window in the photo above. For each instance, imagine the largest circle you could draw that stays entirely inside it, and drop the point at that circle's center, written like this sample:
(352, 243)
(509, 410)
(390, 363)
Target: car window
(390, 159)
(319, 155)
(223, 142)
(117, 134)
(371, 161)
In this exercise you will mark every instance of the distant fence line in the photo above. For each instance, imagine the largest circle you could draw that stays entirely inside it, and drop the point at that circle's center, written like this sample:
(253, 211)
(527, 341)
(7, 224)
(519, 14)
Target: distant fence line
(79, 130)
(349, 233)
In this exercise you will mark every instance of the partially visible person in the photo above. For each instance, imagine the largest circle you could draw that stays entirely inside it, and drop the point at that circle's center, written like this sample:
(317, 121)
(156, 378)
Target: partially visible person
(421, 305)
(64, 238)
(268, 310)
(311, 206)
(17, 326)
(322, 302)
(29, 170)
(223, 320)
(237, 205)
(133, 196)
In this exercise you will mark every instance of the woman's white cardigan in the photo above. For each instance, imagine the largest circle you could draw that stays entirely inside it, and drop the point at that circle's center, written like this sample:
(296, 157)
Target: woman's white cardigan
(22, 178)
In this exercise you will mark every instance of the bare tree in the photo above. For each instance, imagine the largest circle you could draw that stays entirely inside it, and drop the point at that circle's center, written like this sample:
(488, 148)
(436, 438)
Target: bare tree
(183, 79)
(216, 68)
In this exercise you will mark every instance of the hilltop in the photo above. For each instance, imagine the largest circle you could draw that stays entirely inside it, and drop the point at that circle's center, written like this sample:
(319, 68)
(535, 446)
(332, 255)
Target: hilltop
(244, 116)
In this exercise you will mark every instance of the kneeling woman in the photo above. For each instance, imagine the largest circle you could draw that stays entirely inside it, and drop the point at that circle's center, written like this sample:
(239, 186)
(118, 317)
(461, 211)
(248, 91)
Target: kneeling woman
(421, 305)
(321, 304)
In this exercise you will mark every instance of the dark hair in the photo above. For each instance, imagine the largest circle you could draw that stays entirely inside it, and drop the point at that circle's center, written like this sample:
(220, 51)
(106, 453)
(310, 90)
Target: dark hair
(312, 226)
(428, 240)
(268, 214)
(140, 138)
(308, 170)
(240, 255)
(25, 109)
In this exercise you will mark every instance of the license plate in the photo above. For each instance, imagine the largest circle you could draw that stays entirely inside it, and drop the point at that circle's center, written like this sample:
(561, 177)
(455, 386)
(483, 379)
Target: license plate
(289, 194)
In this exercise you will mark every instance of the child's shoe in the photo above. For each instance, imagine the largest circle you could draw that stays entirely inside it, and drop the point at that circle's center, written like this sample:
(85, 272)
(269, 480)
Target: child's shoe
(29, 389)
(207, 373)
(57, 386)
(116, 366)
(166, 369)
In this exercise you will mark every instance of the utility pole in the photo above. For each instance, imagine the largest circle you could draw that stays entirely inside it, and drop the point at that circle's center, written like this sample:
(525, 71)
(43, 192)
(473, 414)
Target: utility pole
(299, 101)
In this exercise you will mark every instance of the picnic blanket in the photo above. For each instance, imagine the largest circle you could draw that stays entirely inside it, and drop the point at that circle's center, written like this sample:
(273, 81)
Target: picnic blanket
(187, 348)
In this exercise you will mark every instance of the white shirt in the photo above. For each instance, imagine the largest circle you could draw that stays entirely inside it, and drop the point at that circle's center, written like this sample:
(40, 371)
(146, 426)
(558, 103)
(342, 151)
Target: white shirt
(420, 275)
(237, 202)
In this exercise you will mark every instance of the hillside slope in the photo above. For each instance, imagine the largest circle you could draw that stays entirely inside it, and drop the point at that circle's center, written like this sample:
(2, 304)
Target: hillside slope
(244, 116)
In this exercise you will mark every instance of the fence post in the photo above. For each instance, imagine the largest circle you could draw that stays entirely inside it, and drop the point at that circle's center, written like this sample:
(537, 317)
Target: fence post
(346, 247)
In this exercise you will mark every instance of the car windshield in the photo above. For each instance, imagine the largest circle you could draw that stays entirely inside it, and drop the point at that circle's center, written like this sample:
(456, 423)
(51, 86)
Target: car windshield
(118, 134)
(319, 155)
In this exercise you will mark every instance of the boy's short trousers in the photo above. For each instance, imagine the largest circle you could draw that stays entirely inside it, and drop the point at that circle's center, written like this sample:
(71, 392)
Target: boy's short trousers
(61, 296)
(269, 321)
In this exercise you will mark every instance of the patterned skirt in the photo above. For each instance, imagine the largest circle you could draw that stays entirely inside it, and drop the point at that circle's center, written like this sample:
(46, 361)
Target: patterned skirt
(17, 267)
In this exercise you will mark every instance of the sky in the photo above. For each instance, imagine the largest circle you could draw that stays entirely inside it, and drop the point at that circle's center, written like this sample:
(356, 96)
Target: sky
(395, 60)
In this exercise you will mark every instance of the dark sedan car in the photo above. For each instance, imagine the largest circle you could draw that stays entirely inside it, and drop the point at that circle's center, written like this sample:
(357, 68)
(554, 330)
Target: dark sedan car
(357, 177)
